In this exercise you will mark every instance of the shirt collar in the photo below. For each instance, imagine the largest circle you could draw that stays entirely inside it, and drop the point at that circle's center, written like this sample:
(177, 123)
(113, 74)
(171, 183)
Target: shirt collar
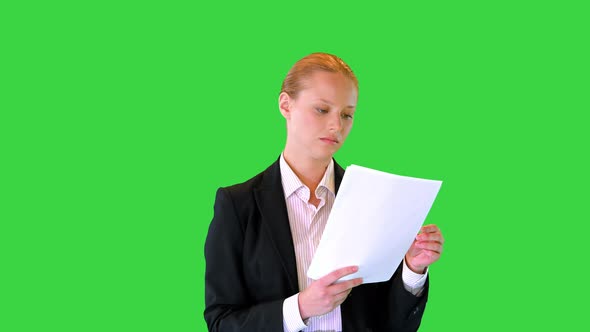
(291, 182)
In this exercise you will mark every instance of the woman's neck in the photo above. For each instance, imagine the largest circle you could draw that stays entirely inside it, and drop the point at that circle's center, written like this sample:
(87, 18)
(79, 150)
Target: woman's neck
(310, 171)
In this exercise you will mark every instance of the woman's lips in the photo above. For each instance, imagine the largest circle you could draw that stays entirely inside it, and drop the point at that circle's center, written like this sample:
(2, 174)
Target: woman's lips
(329, 140)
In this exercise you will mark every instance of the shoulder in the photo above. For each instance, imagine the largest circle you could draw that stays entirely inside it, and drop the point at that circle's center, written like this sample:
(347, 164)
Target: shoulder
(244, 191)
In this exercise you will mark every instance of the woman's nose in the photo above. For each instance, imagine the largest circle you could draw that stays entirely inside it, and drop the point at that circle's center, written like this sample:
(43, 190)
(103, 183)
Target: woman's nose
(335, 122)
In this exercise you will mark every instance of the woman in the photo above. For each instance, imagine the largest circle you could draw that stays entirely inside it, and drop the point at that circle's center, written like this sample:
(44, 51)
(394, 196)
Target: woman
(264, 231)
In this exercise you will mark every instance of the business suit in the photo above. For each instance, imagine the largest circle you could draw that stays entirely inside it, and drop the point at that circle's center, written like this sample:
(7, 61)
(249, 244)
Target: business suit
(251, 267)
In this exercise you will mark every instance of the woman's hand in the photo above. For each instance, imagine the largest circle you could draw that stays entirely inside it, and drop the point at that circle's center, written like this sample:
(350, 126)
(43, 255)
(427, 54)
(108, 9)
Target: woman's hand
(324, 294)
(425, 249)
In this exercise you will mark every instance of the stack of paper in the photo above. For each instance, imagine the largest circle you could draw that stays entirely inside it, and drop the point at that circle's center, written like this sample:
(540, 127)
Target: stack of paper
(373, 222)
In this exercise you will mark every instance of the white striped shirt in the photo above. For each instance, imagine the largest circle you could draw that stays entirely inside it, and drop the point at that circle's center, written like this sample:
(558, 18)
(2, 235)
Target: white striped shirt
(307, 225)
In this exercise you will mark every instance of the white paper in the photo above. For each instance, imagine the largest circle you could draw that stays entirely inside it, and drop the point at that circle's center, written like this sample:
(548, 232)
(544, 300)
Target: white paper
(373, 222)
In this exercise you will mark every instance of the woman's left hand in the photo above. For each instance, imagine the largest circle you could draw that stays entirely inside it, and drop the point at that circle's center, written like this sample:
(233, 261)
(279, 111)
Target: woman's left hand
(425, 249)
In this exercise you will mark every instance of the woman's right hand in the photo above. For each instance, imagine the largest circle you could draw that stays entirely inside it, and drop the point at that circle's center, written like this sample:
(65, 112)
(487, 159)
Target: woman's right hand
(325, 294)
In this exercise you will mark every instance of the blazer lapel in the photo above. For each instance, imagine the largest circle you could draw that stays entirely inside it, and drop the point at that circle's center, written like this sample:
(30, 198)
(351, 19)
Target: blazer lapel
(270, 199)
(338, 175)
(271, 203)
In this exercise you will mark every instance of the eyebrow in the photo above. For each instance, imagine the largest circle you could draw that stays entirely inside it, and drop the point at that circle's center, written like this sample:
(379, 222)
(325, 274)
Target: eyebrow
(327, 102)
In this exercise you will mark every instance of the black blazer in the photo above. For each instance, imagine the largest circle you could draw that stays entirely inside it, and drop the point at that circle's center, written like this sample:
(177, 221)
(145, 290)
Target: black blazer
(251, 267)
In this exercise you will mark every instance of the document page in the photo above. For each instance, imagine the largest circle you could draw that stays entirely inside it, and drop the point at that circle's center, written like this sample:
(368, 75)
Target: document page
(374, 220)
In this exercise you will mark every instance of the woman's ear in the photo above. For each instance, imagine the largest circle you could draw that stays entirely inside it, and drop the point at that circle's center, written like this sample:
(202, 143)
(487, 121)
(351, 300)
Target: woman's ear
(285, 105)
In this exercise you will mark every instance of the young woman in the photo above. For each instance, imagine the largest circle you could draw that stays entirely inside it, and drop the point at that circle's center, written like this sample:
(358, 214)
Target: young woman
(265, 231)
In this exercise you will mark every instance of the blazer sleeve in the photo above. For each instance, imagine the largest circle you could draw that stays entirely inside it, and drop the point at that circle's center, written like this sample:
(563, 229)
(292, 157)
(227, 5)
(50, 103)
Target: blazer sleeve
(405, 308)
(228, 304)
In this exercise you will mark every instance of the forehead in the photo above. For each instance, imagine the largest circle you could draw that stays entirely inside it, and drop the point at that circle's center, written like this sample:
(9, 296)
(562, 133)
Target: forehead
(332, 87)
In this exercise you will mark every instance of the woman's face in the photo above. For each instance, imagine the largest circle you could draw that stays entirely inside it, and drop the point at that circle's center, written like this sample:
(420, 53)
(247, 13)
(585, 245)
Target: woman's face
(320, 117)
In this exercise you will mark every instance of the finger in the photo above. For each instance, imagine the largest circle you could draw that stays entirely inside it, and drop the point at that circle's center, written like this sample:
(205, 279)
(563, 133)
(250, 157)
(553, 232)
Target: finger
(437, 237)
(431, 256)
(343, 294)
(344, 286)
(338, 299)
(331, 277)
(426, 258)
(432, 246)
(430, 229)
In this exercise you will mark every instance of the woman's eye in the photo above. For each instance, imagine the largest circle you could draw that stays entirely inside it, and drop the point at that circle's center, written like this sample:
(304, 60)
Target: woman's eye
(321, 110)
(346, 116)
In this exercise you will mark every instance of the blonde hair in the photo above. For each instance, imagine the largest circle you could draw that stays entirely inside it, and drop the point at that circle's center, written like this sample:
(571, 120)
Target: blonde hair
(305, 67)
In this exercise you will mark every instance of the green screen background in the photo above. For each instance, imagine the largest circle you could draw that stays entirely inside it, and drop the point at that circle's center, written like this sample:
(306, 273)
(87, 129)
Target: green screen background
(118, 121)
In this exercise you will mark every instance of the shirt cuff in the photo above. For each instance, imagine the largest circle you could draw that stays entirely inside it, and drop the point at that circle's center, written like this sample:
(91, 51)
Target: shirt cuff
(413, 282)
(292, 321)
